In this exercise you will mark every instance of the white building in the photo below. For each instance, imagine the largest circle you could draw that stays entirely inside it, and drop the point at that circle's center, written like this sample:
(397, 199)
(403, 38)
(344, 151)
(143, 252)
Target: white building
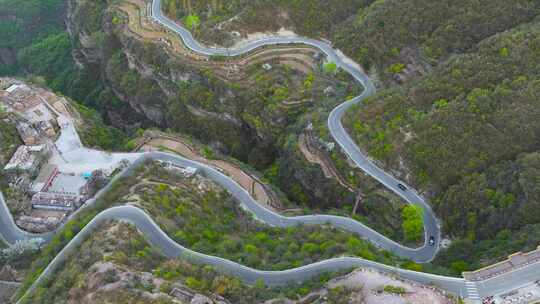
(26, 158)
(186, 171)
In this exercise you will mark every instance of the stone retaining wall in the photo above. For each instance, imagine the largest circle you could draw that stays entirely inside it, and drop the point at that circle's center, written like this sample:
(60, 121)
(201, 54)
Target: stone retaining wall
(514, 261)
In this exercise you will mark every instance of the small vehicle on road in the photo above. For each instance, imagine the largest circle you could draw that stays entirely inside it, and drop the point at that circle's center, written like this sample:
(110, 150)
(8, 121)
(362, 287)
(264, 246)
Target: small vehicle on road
(402, 187)
(431, 241)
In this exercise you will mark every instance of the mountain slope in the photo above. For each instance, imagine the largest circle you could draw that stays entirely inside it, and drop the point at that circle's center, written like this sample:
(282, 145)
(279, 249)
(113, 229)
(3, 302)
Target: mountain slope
(468, 133)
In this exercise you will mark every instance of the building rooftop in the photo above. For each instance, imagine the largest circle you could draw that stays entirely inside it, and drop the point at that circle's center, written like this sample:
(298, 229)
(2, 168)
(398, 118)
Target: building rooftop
(45, 200)
(36, 111)
(16, 87)
(28, 134)
(64, 183)
(46, 175)
(24, 158)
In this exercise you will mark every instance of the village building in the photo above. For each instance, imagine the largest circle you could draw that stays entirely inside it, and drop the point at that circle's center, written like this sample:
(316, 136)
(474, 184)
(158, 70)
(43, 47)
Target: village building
(186, 171)
(31, 104)
(58, 191)
(55, 190)
(26, 161)
(28, 134)
(56, 201)
(46, 128)
(45, 177)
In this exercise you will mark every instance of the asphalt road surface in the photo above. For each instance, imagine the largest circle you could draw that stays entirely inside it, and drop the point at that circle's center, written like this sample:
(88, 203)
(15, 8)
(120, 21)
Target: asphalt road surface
(426, 253)
(11, 233)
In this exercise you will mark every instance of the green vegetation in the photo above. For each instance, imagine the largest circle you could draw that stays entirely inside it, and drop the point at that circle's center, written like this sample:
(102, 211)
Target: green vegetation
(41, 50)
(208, 153)
(48, 57)
(468, 133)
(340, 295)
(398, 290)
(20, 255)
(392, 33)
(396, 68)
(94, 133)
(211, 222)
(383, 35)
(312, 17)
(249, 120)
(192, 21)
(330, 68)
(413, 223)
(129, 252)
(9, 137)
(48, 253)
(238, 238)
(22, 23)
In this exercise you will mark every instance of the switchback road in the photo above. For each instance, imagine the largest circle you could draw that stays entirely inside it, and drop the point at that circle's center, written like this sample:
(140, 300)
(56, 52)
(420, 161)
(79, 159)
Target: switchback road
(158, 238)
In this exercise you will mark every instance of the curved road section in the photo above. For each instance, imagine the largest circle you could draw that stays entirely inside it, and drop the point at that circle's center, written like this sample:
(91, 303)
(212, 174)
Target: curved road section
(426, 253)
(11, 233)
(170, 248)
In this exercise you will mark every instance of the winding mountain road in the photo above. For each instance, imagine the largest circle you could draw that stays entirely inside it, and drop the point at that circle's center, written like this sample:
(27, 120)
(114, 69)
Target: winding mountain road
(11, 233)
(426, 253)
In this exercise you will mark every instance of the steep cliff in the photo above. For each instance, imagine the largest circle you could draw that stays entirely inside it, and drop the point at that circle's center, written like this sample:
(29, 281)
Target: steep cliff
(237, 107)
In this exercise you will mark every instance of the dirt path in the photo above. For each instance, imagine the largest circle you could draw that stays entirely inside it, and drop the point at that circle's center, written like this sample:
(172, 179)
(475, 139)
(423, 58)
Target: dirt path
(141, 27)
(254, 186)
(314, 157)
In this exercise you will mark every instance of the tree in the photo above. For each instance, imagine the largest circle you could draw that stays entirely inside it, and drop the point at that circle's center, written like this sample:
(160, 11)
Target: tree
(413, 223)
(192, 21)
(330, 68)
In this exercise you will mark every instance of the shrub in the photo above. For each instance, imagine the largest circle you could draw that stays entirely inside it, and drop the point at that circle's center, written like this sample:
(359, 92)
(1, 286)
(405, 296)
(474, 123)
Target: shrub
(394, 289)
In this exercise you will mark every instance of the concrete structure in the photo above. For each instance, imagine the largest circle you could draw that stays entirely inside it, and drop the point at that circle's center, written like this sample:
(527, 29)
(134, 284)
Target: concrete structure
(45, 178)
(46, 128)
(20, 97)
(27, 159)
(31, 103)
(28, 134)
(186, 171)
(514, 261)
(66, 184)
(55, 190)
(59, 191)
(37, 113)
(53, 201)
(13, 89)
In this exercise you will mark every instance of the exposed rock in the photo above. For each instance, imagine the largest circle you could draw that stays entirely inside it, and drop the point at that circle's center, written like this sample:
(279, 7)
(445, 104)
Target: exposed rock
(107, 277)
(200, 299)
(37, 224)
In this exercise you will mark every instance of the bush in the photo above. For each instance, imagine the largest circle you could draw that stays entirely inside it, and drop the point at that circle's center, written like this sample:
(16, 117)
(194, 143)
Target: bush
(394, 289)
(330, 68)
(413, 222)
(192, 21)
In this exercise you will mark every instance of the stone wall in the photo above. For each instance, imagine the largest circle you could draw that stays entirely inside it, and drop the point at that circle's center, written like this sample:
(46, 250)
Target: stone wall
(514, 261)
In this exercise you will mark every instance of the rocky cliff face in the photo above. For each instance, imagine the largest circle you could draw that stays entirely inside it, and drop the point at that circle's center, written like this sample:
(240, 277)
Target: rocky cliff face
(145, 76)
(190, 95)
(7, 56)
